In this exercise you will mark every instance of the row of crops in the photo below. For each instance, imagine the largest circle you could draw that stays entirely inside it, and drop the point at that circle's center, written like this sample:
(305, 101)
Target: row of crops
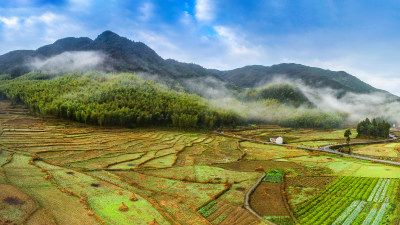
(379, 192)
(352, 200)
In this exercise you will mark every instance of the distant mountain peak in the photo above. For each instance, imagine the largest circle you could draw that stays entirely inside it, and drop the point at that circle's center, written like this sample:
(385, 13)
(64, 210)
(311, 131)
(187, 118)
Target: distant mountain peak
(109, 36)
(108, 33)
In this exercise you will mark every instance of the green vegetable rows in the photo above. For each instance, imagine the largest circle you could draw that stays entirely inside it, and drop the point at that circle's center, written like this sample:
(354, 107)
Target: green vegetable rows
(350, 200)
(208, 209)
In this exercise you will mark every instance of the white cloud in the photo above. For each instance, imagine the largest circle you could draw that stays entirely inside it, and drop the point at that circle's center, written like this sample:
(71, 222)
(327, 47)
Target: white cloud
(69, 61)
(146, 11)
(204, 10)
(225, 32)
(237, 45)
(55, 26)
(157, 41)
(391, 84)
(35, 30)
(11, 22)
(384, 80)
(48, 18)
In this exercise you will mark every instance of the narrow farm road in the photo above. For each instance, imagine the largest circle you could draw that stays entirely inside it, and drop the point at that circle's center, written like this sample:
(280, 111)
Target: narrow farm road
(328, 148)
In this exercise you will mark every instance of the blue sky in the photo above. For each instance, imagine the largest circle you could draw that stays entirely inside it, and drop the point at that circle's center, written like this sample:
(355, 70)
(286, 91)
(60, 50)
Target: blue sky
(361, 37)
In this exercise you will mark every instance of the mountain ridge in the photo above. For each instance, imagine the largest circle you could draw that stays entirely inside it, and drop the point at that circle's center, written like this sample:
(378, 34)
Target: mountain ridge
(124, 55)
(245, 76)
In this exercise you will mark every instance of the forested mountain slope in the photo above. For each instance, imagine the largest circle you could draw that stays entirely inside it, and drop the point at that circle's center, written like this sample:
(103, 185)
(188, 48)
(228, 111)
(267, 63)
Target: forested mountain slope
(253, 76)
(113, 99)
(124, 99)
(283, 93)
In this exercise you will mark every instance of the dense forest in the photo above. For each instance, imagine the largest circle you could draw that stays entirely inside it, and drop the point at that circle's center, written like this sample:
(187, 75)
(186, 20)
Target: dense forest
(112, 99)
(282, 92)
(313, 119)
(125, 99)
(376, 128)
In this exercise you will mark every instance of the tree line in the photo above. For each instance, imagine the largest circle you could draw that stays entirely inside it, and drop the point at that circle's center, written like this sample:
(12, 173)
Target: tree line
(376, 128)
(313, 119)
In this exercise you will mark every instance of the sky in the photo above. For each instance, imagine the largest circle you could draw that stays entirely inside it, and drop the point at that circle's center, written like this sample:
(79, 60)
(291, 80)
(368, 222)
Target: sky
(361, 37)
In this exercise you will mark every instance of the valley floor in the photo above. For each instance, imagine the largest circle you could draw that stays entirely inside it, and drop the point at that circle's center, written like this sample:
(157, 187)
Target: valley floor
(60, 172)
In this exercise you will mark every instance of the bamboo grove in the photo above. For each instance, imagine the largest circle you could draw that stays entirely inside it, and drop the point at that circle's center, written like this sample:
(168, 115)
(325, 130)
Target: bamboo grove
(112, 99)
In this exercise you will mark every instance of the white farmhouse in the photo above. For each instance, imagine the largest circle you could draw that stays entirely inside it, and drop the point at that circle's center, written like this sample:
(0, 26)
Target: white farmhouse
(276, 139)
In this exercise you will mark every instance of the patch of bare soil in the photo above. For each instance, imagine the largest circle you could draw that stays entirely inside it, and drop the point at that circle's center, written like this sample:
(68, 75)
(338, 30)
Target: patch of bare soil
(13, 201)
(267, 200)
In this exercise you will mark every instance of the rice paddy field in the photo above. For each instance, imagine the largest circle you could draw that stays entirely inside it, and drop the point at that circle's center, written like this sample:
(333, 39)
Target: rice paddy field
(54, 171)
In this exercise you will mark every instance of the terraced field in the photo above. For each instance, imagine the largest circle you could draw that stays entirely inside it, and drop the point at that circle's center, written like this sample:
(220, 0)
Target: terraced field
(60, 172)
(48, 163)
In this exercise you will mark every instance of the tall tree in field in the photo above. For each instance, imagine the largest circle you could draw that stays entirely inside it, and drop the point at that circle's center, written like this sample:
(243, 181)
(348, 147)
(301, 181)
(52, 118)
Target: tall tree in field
(347, 134)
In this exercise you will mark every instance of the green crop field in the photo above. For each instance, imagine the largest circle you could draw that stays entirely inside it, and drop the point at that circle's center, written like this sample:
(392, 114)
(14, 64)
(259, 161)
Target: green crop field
(352, 200)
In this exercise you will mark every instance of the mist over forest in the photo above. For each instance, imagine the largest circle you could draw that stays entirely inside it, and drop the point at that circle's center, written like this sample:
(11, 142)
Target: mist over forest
(114, 81)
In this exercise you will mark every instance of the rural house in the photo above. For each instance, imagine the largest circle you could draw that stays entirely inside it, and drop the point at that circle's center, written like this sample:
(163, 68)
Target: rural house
(276, 139)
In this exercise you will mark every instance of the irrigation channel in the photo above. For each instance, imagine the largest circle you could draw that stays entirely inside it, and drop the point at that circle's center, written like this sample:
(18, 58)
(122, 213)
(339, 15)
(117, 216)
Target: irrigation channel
(327, 149)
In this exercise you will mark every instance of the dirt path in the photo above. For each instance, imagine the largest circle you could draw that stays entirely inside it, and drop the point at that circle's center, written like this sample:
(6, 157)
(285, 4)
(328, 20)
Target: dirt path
(327, 148)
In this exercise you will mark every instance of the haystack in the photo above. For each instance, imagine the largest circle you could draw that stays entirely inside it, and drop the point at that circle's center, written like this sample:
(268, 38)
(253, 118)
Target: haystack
(123, 207)
(133, 197)
(153, 222)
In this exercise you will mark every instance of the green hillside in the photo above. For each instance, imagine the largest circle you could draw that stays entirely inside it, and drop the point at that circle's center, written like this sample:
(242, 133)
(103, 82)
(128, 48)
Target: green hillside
(112, 99)
(283, 93)
(124, 99)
